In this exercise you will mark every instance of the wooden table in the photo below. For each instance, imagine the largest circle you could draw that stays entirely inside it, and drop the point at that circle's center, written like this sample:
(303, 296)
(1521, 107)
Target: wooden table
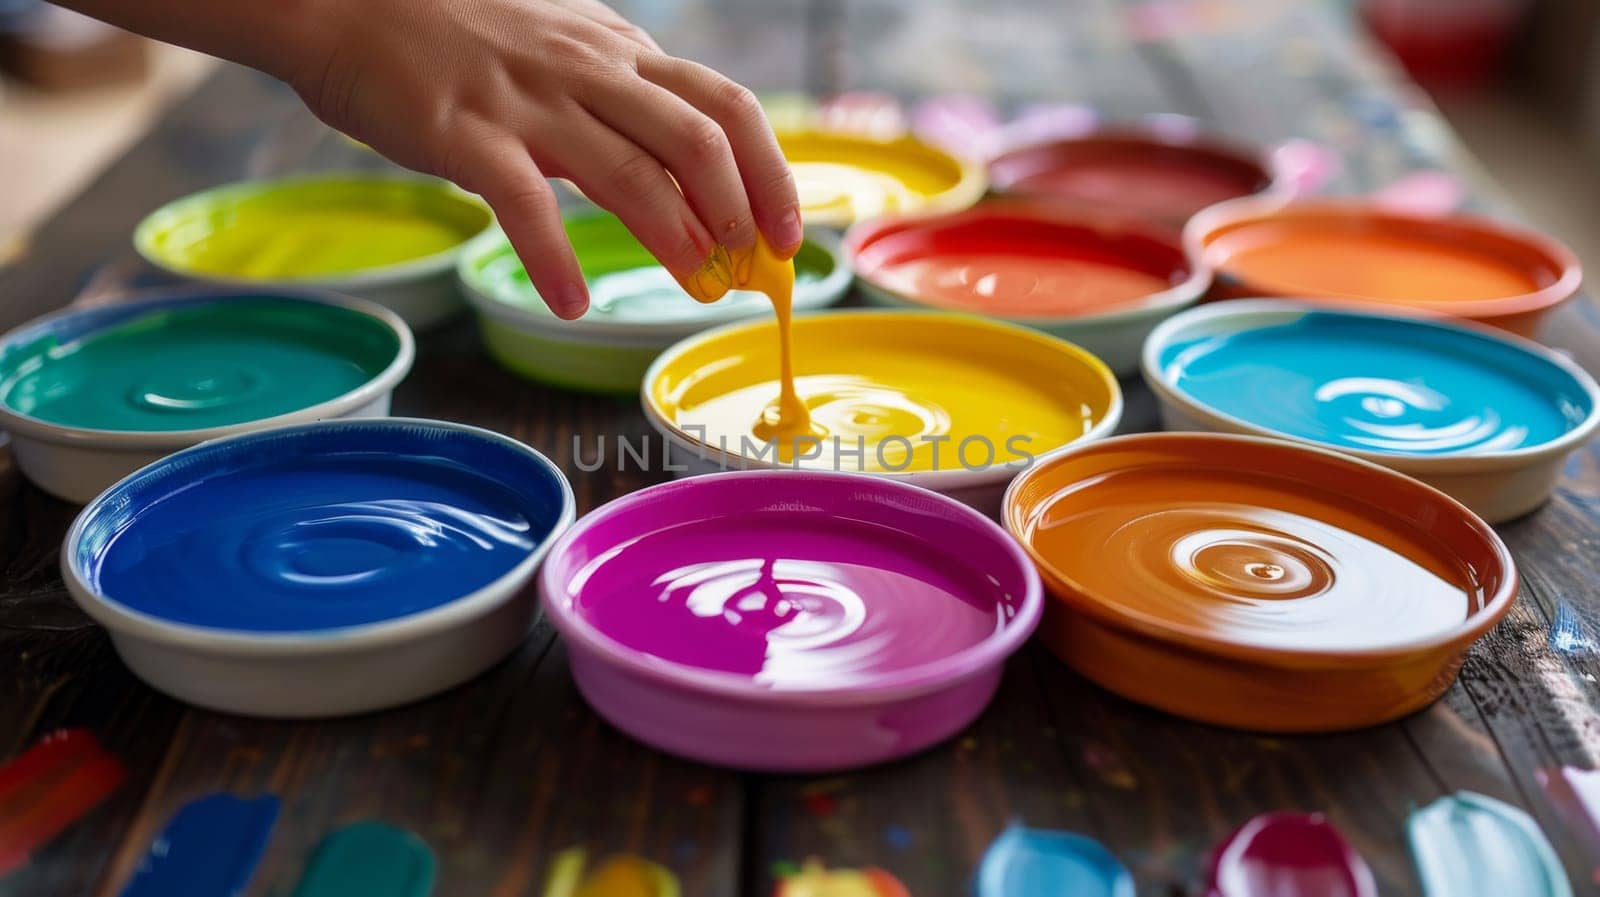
(501, 773)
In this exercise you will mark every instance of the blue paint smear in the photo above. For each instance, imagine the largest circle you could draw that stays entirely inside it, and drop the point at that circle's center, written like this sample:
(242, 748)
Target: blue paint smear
(209, 848)
(1469, 845)
(1025, 862)
(1381, 384)
(1570, 633)
(319, 527)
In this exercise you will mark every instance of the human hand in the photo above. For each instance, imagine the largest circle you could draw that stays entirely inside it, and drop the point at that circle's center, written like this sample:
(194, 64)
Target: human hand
(498, 95)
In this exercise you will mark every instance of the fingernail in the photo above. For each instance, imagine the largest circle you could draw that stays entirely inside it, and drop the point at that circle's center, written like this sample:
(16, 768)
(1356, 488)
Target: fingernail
(791, 232)
(712, 279)
(743, 261)
(571, 301)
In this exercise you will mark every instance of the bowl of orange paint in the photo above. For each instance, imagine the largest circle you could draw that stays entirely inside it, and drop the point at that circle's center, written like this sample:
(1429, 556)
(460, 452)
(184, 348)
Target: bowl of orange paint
(1487, 417)
(953, 403)
(1257, 584)
(1352, 251)
(1101, 282)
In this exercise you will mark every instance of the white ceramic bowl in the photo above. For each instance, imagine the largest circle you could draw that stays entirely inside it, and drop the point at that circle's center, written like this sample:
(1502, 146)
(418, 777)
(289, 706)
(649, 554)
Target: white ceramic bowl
(76, 463)
(423, 291)
(319, 672)
(1079, 375)
(1497, 484)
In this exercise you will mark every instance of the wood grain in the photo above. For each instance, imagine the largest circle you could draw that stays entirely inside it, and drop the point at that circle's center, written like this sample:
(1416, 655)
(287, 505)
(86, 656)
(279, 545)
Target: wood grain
(500, 774)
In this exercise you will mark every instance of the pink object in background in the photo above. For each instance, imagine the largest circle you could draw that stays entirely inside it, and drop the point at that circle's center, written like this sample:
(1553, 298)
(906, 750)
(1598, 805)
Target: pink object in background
(1288, 854)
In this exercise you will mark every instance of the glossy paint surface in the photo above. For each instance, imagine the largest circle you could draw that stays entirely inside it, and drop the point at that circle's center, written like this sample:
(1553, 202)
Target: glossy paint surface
(907, 390)
(1288, 854)
(843, 178)
(209, 848)
(1018, 260)
(1250, 558)
(313, 228)
(318, 529)
(1144, 176)
(1469, 845)
(193, 365)
(1378, 384)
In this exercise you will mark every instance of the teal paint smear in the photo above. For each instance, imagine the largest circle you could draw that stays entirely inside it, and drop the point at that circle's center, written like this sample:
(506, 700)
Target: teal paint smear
(197, 365)
(369, 859)
(1026, 862)
(1469, 845)
(209, 848)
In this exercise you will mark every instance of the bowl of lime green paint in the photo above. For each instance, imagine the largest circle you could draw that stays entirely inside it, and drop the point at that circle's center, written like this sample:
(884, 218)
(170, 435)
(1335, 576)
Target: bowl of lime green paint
(91, 395)
(391, 239)
(636, 308)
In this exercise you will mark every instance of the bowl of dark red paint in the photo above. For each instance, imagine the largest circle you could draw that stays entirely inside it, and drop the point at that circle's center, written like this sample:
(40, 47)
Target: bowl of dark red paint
(789, 620)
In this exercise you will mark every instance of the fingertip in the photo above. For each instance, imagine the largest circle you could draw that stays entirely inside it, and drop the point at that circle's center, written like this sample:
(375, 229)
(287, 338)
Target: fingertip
(787, 234)
(570, 301)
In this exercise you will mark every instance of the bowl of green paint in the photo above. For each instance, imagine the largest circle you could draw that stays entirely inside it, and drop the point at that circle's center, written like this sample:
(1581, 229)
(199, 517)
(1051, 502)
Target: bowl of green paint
(636, 308)
(91, 395)
(391, 239)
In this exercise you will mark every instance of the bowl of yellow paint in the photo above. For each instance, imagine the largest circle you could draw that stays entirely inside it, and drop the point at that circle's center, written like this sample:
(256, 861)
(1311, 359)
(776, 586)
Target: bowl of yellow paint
(954, 403)
(636, 308)
(845, 177)
(90, 395)
(391, 239)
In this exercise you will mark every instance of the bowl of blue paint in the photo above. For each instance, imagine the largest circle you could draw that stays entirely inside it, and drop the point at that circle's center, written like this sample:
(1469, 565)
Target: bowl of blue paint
(1486, 417)
(90, 395)
(320, 569)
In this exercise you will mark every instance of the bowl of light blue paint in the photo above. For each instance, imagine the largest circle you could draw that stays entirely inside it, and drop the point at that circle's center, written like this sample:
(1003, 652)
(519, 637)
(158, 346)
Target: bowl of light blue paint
(321, 569)
(1486, 417)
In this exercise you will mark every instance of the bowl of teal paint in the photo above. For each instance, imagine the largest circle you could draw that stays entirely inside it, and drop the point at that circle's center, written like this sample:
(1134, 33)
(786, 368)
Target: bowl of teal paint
(320, 569)
(91, 395)
(392, 239)
(636, 308)
(1484, 416)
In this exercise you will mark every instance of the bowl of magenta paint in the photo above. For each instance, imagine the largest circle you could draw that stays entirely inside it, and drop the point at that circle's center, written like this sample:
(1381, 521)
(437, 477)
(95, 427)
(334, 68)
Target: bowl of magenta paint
(1099, 281)
(1488, 417)
(90, 395)
(789, 620)
(320, 569)
(636, 307)
(389, 238)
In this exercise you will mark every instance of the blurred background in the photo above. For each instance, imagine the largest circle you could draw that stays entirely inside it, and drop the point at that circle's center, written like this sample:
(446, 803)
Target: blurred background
(1518, 79)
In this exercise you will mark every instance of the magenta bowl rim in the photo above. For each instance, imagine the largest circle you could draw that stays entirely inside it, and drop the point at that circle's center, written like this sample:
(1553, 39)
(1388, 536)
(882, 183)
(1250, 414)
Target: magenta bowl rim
(924, 678)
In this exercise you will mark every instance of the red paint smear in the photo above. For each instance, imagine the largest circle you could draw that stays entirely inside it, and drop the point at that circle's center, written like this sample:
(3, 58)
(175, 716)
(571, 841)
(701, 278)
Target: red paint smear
(820, 804)
(48, 787)
(1288, 855)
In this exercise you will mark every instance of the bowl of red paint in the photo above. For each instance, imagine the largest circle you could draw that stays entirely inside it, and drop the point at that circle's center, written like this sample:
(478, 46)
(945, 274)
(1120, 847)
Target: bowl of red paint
(1255, 583)
(1354, 251)
(1100, 281)
(1159, 174)
(789, 620)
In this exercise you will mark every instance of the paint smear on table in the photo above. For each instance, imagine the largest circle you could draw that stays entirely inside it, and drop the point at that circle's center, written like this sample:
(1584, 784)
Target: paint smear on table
(1575, 793)
(209, 848)
(618, 876)
(369, 859)
(1026, 862)
(815, 880)
(50, 786)
(1288, 855)
(1469, 845)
